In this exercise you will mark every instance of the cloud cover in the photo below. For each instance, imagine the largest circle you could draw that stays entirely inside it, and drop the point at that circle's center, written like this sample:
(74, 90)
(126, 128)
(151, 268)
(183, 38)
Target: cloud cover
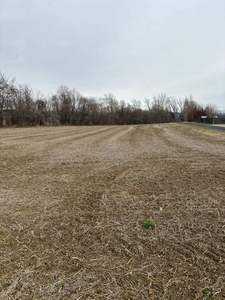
(133, 49)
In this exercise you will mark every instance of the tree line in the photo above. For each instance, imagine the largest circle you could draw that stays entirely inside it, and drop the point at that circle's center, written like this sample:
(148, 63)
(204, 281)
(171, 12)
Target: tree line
(20, 106)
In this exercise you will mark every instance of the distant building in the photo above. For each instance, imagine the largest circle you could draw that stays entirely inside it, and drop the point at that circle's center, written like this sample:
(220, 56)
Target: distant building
(214, 120)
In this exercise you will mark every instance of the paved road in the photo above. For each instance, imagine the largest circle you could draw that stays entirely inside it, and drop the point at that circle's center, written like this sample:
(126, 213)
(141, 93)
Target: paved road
(208, 126)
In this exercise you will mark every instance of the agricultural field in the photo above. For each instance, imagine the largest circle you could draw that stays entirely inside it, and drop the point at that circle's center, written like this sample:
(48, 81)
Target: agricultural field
(112, 212)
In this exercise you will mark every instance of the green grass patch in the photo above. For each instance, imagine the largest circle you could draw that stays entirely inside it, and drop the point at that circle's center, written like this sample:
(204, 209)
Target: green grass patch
(149, 224)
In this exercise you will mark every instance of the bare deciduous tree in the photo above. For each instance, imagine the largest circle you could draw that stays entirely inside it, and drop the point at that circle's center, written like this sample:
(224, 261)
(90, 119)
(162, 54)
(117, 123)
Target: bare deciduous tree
(19, 106)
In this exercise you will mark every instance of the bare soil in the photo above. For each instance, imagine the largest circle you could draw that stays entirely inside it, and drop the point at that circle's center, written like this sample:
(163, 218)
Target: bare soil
(74, 202)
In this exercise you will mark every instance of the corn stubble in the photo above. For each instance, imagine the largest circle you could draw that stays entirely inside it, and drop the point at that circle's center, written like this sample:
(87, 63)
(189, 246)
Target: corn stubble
(74, 201)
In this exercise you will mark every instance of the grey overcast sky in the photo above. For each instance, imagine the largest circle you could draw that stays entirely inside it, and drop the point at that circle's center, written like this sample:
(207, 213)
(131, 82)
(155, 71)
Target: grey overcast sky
(134, 49)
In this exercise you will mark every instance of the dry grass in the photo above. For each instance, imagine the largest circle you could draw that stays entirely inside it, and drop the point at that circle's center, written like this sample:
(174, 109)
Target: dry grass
(74, 205)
